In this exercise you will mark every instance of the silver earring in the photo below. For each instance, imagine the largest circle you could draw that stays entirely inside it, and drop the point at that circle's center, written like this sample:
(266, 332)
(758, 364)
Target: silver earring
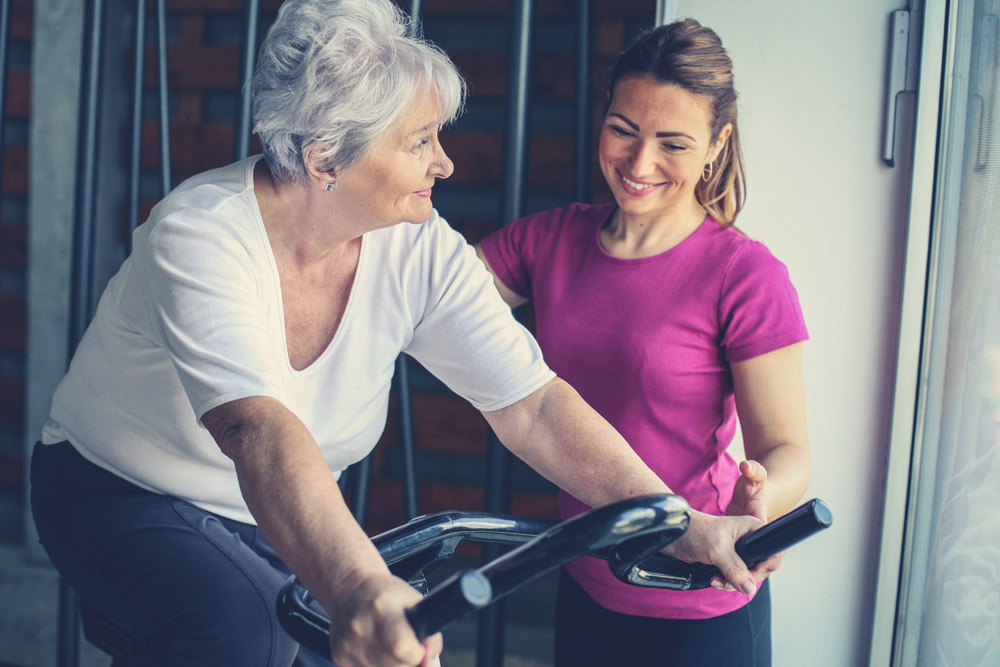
(331, 186)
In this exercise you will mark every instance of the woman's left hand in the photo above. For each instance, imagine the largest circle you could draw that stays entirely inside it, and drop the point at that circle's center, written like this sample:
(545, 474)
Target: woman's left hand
(750, 498)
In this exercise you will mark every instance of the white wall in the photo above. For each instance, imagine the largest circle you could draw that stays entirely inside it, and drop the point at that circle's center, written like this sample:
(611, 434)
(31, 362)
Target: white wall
(811, 80)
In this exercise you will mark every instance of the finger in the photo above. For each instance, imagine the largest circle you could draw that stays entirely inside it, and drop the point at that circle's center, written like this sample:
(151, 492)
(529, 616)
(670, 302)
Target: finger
(735, 572)
(432, 651)
(737, 575)
(753, 471)
(719, 584)
(768, 566)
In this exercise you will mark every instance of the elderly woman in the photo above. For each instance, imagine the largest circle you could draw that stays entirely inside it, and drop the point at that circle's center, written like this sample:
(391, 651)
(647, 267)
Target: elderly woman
(242, 356)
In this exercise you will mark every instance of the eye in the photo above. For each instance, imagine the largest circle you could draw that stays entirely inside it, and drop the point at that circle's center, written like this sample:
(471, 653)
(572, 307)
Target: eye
(619, 131)
(419, 146)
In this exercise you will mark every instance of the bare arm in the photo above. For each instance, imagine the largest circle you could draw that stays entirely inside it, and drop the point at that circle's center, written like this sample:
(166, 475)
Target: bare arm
(770, 399)
(508, 295)
(554, 426)
(300, 510)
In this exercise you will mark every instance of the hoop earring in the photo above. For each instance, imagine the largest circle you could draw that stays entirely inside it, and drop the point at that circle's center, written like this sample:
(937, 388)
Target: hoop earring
(706, 173)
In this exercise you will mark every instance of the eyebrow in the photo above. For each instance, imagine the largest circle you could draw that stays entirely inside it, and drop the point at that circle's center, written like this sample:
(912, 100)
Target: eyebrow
(658, 134)
(422, 130)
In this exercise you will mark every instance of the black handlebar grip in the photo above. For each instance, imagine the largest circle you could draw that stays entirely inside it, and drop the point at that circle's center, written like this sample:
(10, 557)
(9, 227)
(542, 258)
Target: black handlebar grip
(661, 571)
(784, 532)
(462, 593)
(772, 538)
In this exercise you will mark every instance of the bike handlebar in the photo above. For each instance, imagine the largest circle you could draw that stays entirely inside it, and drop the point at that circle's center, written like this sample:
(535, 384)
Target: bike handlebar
(624, 532)
(628, 534)
(660, 571)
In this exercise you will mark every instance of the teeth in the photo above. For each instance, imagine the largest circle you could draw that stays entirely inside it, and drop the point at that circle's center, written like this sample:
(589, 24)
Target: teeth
(638, 186)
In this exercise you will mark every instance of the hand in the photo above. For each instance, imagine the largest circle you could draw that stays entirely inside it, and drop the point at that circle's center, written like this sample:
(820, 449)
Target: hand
(712, 539)
(368, 627)
(750, 493)
(750, 498)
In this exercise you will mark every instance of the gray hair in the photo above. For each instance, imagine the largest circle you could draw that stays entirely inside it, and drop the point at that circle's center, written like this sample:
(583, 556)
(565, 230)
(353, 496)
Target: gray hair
(336, 74)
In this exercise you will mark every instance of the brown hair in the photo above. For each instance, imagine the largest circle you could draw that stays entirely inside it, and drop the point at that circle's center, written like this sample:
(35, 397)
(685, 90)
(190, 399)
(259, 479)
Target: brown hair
(691, 56)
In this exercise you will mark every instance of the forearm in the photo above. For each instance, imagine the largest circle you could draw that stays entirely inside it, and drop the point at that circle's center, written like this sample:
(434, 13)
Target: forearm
(789, 472)
(561, 437)
(298, 506)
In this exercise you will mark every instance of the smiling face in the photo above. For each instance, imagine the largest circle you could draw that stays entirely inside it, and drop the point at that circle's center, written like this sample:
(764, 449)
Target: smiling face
(655, 143)
(392, 182)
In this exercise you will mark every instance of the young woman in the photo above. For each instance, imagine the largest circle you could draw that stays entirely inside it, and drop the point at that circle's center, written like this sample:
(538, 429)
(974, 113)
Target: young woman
(669, 322)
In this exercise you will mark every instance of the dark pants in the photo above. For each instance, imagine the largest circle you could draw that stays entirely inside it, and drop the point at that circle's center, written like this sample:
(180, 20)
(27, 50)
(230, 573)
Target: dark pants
(190, 587)
(588, 635)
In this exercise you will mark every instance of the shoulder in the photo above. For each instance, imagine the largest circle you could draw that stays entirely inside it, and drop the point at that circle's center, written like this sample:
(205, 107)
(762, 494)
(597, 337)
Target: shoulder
(570, 218)
(742, 256)
(555, 227)
(215, 202)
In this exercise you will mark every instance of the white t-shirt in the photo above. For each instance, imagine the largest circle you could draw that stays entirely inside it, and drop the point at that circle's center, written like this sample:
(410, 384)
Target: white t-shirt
(194, 319)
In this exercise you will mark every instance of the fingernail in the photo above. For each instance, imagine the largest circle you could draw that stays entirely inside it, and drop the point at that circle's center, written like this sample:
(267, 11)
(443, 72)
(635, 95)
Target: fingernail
(748, 588)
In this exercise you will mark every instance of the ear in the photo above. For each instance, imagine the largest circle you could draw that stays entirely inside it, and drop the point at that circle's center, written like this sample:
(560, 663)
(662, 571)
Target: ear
(317, 167)
(720, 141)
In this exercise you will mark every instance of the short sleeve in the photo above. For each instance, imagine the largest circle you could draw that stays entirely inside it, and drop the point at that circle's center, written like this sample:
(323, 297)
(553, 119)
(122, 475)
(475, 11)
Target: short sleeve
(510, 252)
(206, 306)
(759, 307)
(466, 335)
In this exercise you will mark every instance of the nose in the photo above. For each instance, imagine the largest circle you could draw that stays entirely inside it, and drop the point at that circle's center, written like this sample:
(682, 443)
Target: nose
(442, 166)
(643, 158)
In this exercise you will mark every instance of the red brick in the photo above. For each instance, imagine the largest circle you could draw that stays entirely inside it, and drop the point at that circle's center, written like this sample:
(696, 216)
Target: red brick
(18, 100)
(13, 318)
(13, 245)
(15, 169)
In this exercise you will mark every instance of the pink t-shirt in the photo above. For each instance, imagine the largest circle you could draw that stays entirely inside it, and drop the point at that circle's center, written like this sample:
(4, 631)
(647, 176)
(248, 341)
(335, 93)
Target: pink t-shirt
(647, 343)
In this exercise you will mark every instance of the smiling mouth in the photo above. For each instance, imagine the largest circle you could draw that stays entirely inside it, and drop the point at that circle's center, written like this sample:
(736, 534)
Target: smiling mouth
(637, 186)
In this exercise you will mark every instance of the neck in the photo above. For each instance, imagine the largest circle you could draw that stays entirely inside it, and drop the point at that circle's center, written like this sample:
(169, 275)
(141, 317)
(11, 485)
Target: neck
(300, 220)
(634, 236)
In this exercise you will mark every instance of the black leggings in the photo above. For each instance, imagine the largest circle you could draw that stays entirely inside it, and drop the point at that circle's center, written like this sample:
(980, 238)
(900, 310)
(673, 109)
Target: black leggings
(188, 587)
(588, 635)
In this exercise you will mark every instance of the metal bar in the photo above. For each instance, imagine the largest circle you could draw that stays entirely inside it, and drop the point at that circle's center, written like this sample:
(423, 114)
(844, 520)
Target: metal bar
(666, 11)
(4, 48)
(404, 398)
(82, 278)
(161, 58)
(135, 149)
(490, 639)
(416, 12)
(248, 57)
(362, 481)
(582, 141)
(899, 39)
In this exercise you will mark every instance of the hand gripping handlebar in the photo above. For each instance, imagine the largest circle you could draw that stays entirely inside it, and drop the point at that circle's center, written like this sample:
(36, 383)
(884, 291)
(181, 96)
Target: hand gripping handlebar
(659, 571)
(628, 535)
(624, 533)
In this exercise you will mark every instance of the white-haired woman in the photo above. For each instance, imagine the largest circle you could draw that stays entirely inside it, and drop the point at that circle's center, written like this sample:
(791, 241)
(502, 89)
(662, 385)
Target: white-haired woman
(244, 353)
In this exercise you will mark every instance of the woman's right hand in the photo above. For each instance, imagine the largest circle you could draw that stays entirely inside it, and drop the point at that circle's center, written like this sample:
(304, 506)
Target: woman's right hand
(712, 539)
(369, 629)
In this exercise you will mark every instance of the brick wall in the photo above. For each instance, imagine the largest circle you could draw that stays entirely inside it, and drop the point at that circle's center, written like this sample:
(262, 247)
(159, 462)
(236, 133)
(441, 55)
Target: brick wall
(203, 60)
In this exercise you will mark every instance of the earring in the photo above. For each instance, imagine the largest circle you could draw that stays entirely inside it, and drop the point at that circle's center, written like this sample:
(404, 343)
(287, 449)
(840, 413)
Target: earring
(706, 174)
(331, 186)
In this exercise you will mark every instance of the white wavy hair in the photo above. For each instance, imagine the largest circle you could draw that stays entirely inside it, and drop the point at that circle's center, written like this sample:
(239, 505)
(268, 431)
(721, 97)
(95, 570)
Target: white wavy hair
(336, 74)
